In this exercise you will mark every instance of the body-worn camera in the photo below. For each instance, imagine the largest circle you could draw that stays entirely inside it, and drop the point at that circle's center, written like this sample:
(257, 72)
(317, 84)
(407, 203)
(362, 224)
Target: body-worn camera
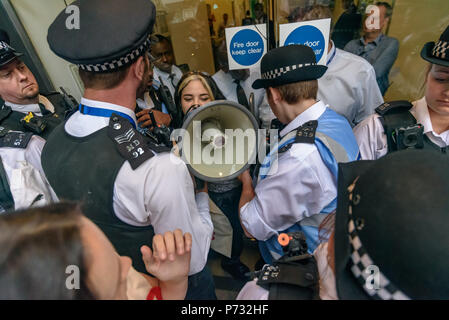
(410, 137)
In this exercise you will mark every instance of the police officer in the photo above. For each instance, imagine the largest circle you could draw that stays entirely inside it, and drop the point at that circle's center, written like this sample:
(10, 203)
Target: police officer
(391, 239)
(24, 108)
(22, 180)
(157, 100)
(386, 244)
(296, 186)
(126, 182)
(423, 124)
(165, 69)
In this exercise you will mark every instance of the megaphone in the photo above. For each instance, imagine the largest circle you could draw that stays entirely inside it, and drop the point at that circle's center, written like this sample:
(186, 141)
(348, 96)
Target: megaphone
(219, 141)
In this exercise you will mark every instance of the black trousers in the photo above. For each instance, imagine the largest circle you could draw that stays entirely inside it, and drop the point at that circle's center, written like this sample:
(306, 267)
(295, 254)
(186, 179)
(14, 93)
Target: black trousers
(228, 202)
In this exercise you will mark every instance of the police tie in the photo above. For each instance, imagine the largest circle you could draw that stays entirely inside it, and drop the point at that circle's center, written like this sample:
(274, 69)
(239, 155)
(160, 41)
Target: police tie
(172, 78)
(241, 95)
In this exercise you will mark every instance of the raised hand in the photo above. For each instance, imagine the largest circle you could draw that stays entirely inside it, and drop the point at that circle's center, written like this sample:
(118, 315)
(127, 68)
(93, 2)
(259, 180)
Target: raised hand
(170, 258)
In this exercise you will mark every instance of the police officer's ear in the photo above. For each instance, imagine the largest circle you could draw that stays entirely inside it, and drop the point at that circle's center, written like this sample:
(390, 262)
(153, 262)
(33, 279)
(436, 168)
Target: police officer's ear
(140, 67)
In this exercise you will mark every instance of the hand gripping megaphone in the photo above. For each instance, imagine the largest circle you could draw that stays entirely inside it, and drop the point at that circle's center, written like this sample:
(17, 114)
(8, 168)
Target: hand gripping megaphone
(219, 141)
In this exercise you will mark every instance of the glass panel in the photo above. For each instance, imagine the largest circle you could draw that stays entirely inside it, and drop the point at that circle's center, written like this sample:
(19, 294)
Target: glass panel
(413, 23)
(196, 28)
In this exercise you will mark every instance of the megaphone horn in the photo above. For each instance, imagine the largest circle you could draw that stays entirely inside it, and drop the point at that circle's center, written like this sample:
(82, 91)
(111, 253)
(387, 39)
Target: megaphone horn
(219, 140)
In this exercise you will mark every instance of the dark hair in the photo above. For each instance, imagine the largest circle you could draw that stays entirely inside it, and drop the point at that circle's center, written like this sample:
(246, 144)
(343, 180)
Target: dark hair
(216, 93)
(104, 80)
(36, 247)
(387, 6)
(160, 38)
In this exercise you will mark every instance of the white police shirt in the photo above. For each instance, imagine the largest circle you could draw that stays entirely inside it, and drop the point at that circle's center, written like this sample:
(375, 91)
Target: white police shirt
(228, 87)
(26, 108)
(372, 140)
(328, 288)
(160, 192)
(349, 86)
(301, 187)
(26, 178)
(166, 77)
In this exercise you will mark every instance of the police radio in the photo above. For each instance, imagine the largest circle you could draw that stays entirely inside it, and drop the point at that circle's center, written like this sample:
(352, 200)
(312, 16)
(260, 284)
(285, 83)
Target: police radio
(167, 98)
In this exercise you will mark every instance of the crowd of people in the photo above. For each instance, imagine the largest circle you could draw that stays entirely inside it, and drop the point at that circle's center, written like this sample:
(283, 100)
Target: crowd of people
(94, 188)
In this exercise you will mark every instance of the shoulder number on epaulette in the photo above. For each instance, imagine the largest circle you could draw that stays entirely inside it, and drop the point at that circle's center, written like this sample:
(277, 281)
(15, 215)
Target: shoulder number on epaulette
(15, 139)
(131, 145)
(306, 132)
(387, 107)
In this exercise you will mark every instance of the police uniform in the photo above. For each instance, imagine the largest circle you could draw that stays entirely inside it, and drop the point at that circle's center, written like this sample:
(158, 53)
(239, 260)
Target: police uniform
(372, 140)
(155, 98)
(349, 86)
(227, 85)
(22, 179)
(384, 132)
(170, 80)
(40, 118)
(296, 186)
(126, 182)
(327, 289)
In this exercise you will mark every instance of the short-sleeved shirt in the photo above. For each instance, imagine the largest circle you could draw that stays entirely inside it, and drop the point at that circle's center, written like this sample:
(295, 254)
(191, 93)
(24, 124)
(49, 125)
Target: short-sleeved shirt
(372, 141)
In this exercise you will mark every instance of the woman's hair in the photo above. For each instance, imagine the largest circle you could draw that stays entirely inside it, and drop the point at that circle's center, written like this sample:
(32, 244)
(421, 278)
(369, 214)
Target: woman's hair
(39, 250)
(428, 69)
(326, 228)
(208, 83)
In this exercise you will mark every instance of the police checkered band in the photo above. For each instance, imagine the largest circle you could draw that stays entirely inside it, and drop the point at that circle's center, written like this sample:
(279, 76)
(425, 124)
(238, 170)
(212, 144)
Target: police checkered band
(441, 50)
(373, 281)
(276, 73)
(116, 64)
(4, 45)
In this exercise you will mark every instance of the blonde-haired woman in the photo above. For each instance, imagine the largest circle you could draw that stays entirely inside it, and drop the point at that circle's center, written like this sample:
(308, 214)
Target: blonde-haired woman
(193, 91)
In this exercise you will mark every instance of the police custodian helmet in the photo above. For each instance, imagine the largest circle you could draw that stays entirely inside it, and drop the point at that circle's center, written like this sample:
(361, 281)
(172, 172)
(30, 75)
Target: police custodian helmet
(391, 239)
(111, 34)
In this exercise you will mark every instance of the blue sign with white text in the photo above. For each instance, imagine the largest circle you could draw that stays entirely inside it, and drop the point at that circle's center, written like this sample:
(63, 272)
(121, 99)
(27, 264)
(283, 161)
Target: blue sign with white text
(309, 36)
(247, 47)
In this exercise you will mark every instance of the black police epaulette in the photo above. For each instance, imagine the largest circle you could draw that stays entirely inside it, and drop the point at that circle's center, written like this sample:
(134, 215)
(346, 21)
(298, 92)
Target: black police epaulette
(5, 111)
(131, 144)
(306, 132)
(14, 139)
(400, 105)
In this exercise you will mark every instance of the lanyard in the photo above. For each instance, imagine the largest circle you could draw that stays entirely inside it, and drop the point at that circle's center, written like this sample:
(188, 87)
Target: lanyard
(105, 113)
(332, 57)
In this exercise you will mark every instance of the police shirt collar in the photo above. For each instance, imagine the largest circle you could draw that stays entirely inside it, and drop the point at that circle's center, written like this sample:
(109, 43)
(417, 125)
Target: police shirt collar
(312, 113)
(33, 107)
(163, 73)
(109, 106)
(422, 116)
